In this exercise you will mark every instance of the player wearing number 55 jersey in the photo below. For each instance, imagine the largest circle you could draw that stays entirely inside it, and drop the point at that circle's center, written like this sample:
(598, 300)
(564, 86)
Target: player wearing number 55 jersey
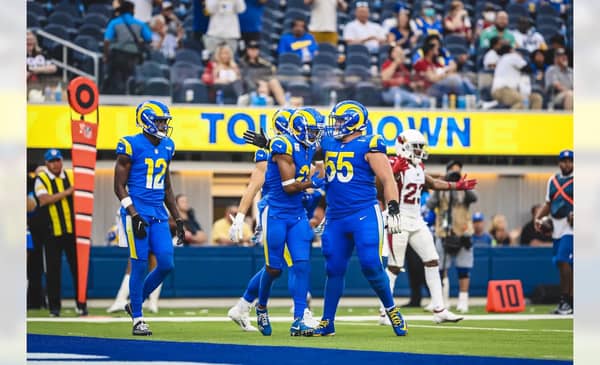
(410, 173)
(143, 185)
(353, 216)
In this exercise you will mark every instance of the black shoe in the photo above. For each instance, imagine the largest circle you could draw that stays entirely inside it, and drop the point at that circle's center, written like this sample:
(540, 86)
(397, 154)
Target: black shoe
(55, 313)
(81, 309)
(563, 308)
(141, 329)
(129, 310)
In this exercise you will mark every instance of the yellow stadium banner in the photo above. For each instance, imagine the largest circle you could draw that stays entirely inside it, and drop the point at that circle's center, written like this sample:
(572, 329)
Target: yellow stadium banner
(203, 128)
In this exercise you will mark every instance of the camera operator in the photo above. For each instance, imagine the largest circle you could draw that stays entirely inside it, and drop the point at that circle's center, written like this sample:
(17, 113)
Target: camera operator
(453, 230)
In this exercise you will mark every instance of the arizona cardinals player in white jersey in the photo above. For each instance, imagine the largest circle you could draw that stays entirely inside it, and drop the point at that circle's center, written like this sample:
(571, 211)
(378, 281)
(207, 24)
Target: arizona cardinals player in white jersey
(409, 171)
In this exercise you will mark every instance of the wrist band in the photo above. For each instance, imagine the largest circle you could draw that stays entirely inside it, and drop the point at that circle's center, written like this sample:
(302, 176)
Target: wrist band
(126, 202)
(288, 182)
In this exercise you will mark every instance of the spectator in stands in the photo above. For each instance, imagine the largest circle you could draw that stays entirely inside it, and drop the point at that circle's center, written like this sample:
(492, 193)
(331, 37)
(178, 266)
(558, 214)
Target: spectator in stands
(363, 31)
(397, 82)
(402, 34)
(529, 5)
(499, 231)
(251, 20)
(162, 40)
(480, 237)
(174, 25)
(499, 29)
(510, 86)
(531, 237)
(323, 19)
(194, 234)
(491, 57)
(201, 18)
(557, 41)
(559, 81)
(457, 21)
(444, 57)
(224, 24)
(225, 70)
(125, 41)
(39, 68)
(428, 22)
(257, 97)
(526, 36)
(299, 42)
(143, 9)
(220, 229)
(488, 17)
(256, 69)
(538, 69)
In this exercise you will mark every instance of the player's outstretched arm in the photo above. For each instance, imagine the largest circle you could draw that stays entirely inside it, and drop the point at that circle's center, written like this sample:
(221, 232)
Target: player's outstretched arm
(122, 169)
(439, 184)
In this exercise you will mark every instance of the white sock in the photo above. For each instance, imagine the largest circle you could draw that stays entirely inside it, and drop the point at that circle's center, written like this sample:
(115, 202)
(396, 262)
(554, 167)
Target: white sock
(153, 298)
(137, 319)
(392, 278)
(463, 299)
(446, 291)
(432, 277)
(244, 304)
(123, 292)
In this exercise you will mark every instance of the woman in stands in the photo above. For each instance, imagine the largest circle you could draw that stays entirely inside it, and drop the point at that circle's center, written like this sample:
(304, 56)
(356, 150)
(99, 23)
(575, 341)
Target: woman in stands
(402, 35)
(225, 71)
(39, 68)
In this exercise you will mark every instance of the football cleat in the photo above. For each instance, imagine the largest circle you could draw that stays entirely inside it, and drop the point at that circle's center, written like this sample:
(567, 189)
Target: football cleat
(325, 328)
(141, 329)
(299, 328)
(446, 316)
(563, 309)
(398, 323)
(262, 320)
(308, 319)
(240, 316)
(81, 309)
(384, 320)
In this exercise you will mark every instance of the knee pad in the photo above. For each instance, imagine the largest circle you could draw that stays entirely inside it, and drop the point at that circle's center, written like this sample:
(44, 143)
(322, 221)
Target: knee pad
(275, 273)
(463, 272)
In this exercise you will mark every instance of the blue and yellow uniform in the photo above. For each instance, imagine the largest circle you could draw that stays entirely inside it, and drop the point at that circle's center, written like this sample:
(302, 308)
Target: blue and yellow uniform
(146, 188)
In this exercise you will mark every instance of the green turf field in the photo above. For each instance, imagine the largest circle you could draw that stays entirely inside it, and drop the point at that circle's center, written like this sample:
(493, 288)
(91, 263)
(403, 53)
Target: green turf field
(533, 338)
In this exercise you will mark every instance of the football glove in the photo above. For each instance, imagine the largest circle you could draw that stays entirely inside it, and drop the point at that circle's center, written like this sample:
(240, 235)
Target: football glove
(236, 231)
(259, 140)
(139, 226)
(393, 217)
(464, 184)
(399, 165)
(317, 182)
(180, 232)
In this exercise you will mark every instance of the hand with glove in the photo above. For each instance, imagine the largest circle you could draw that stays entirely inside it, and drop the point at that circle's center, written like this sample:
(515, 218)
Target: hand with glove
(464, 184)
(399, 165)
(317, 182)
(259, 140)
(393, 217)
(139, 226)
(180, 231)
(236, 231)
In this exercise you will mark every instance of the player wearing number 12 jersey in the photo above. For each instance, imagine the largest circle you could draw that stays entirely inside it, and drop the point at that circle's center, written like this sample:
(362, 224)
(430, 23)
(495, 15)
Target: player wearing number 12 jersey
(143, 185)
(410, 173)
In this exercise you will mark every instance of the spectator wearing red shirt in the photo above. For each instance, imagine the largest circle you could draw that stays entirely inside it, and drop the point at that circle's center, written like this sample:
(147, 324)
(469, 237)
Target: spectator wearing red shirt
(457, 21)
(397, 82)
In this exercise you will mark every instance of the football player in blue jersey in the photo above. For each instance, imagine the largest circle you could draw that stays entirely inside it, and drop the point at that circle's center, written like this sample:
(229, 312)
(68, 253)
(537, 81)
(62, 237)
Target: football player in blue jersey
(142, 184)
(353, 217)
(285, 224)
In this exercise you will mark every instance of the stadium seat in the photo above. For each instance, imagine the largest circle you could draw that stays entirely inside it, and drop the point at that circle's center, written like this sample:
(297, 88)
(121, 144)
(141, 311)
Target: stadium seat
(456, 49)
(516, 11)
(358, 60)
(453, 39)
(181, 71)
(68, 8)
(287, 73)
(92, 30)
(325, 59)
(103, 9)
(96, 19)
(157, 56)
(193, 44)
(295, 13)
(61, 18)
(547, 21)
(192, 91)
(35, 8)
(300, 88)
(289, 58)
(327, 48)
(367, 94)
(547, 10)
(54, 48)
(188, 55)
(33, 21)
(354, 74)
(297, 4)
(321, 92)
(157, 86)
(230, 95)
(547, 32)
(357, 49)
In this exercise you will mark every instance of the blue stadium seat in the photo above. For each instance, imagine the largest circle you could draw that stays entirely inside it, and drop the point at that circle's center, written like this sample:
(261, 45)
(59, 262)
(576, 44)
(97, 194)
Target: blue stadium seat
(61, 18)
(356, 73)
(68, 8)
(357, 49)
(103, 9)
(325, 59)
(33, 21)
(327, 48)
(516, 10)
(453, 39)
(92, 30)
(157, 56)
(192, 91)
(188, 55)
(181, 71)
(367, 94)
(54, 49)
(300, 88)
(157, 86)
(358, 59)
(36, 8)
(289, 58)
(547, 10)
(95, 19)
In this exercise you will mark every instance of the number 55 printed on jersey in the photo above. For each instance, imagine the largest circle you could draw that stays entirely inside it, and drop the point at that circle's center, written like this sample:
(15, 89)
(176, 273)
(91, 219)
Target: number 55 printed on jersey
(155, 173)
(338, 166)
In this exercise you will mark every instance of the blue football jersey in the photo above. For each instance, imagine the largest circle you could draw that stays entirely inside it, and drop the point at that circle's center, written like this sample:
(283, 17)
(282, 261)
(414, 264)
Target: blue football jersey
(277, 199)
(146, 183)
(350, 180)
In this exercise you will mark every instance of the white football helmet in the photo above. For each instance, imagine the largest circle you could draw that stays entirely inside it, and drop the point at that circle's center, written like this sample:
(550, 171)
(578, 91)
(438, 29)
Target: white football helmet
(410, 145)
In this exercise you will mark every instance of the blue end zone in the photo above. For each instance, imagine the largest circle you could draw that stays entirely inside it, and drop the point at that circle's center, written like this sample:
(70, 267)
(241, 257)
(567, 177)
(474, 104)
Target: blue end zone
(144, 351)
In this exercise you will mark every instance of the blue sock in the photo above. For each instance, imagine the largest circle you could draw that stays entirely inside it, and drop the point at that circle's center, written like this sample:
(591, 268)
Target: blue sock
(136, 284)
(380, 283)
(264, 291)
(164, 265)
(301, 276)
(251, 292)
(334, 287)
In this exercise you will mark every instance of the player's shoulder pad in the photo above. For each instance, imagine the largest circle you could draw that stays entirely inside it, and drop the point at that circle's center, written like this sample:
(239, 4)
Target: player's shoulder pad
(261, 155)
(125, 146)
(280, 145)
(376, 144)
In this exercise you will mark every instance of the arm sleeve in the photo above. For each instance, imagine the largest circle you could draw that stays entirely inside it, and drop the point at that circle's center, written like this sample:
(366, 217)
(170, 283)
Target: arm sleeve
(261, 155)
(39, 188)
(376, 144)
(124, 147)
(146, 33)
(281, 146)
(282, 46)
(109, 33)
(348, 32)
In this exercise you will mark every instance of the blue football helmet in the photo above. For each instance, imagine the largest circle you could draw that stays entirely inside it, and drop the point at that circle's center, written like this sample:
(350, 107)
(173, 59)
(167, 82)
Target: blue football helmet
(281, 120)
(149, 113)
(347, 117)
(307, 126)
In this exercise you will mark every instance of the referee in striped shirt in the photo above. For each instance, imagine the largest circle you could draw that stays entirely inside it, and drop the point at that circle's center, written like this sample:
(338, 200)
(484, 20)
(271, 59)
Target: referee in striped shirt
(54, 191)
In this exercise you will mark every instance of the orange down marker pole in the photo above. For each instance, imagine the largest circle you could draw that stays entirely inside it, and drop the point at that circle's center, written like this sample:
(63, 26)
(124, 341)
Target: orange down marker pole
(83, 99)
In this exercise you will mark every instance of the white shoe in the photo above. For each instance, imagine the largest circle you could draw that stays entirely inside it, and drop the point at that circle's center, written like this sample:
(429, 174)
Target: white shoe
(445, 316)
(308, 319)
(384, 320)
(462, 308)
(241, 318)
(116, 307)
(428, 307)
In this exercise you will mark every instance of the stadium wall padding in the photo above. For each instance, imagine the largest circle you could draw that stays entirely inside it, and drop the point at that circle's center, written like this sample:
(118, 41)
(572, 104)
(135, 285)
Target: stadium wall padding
(225, 271)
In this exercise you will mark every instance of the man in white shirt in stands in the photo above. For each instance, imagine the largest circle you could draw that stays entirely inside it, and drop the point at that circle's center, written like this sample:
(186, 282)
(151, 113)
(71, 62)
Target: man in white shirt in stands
(224, 25)
(362, 31)
(323, 19)
(509, 86)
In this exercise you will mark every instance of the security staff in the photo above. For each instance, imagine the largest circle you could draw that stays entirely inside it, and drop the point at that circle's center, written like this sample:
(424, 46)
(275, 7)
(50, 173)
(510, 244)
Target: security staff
(54, 191)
